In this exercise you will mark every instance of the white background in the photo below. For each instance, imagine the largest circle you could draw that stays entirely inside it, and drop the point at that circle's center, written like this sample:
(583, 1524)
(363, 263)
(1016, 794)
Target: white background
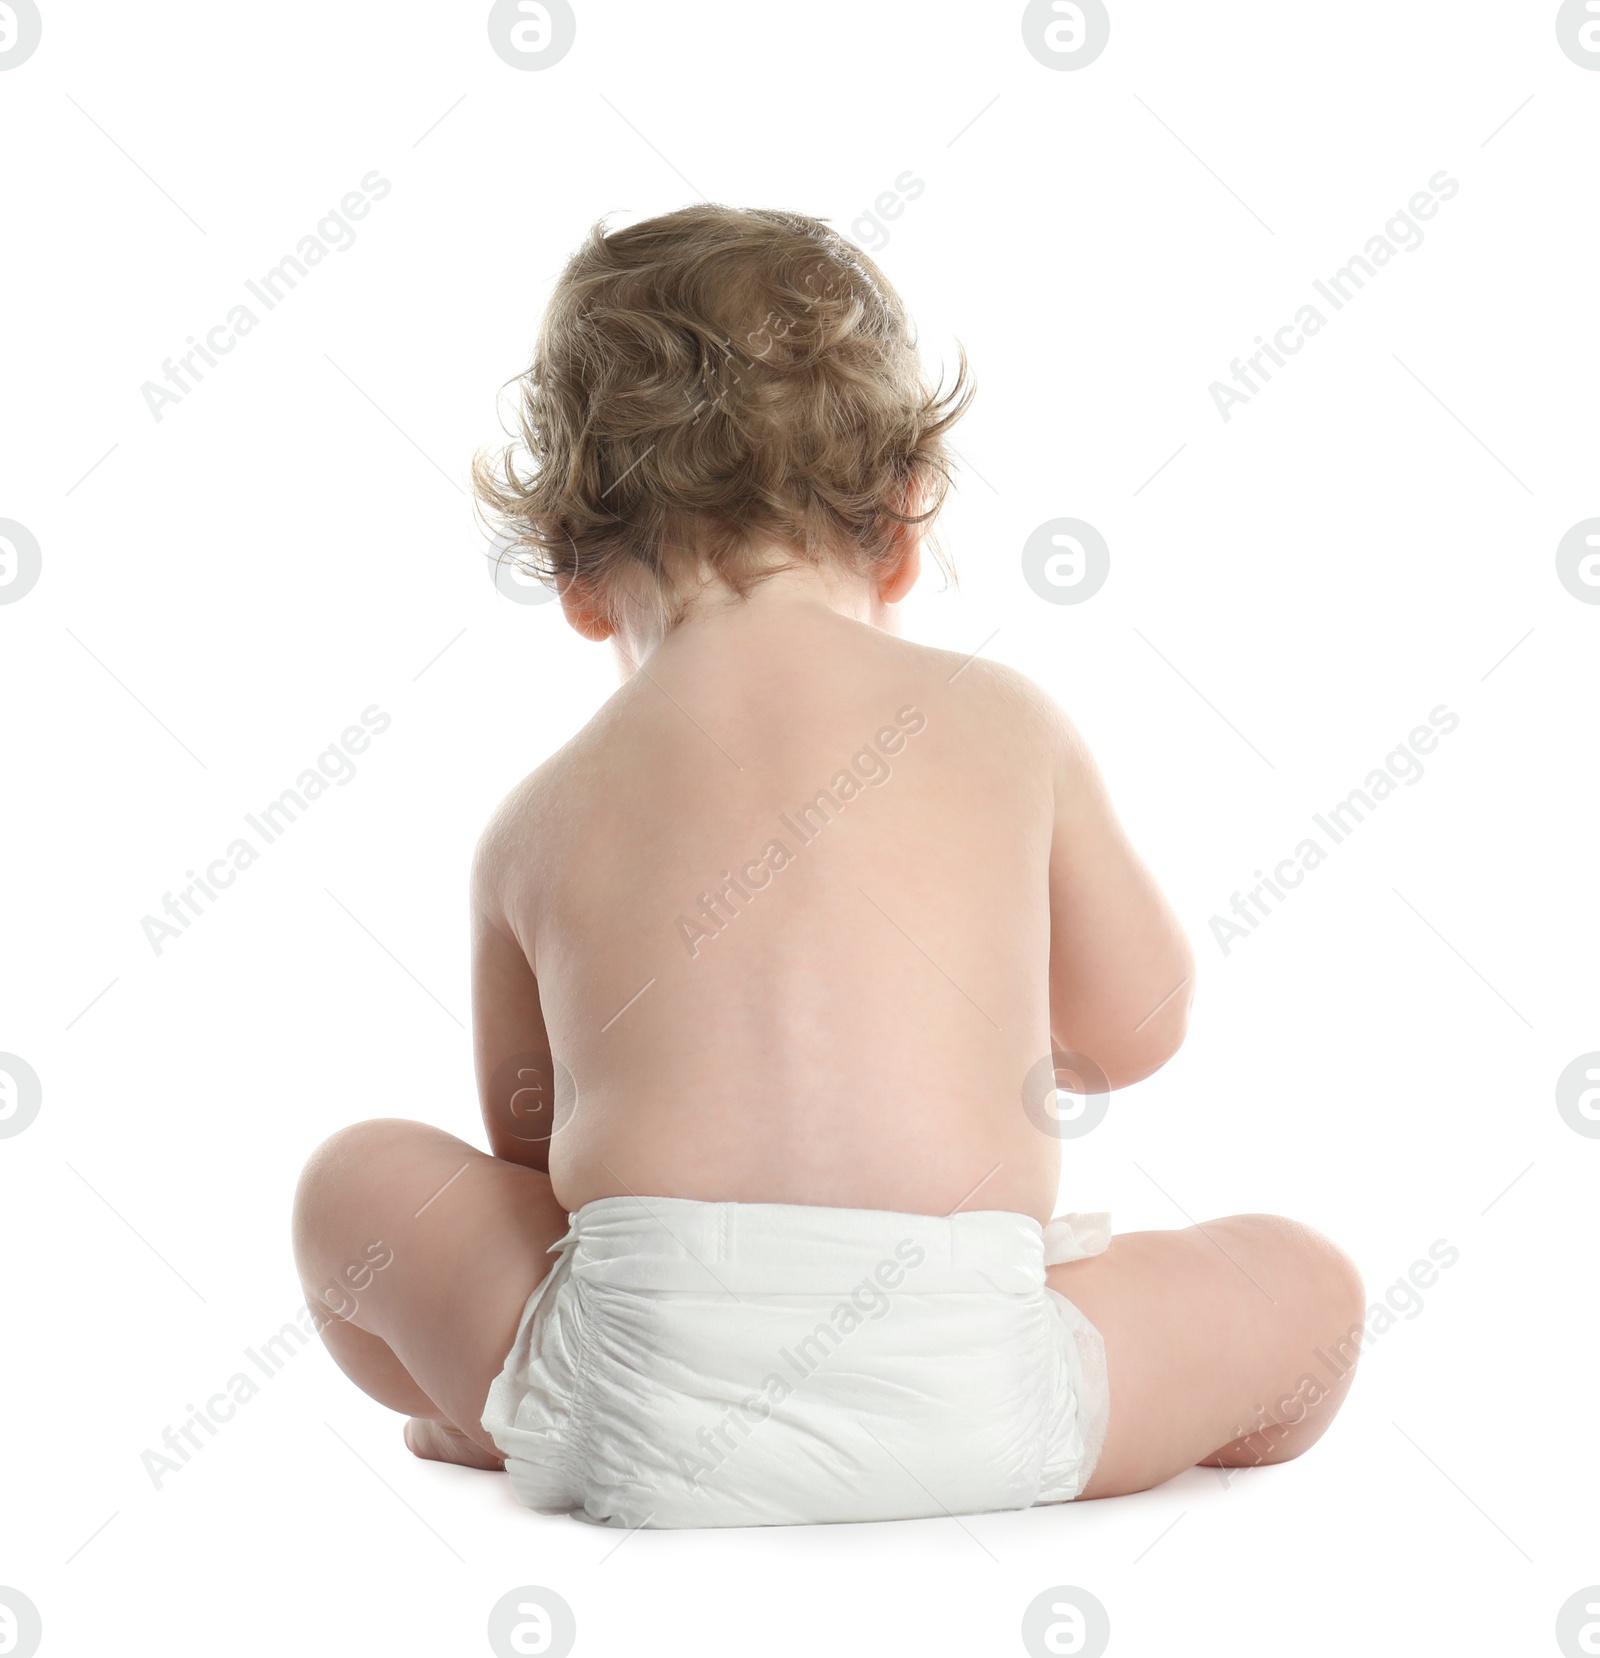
(227, 588)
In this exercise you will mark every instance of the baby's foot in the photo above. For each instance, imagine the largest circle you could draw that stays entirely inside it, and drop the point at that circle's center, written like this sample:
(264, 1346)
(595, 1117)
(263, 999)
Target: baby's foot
(439, 1442)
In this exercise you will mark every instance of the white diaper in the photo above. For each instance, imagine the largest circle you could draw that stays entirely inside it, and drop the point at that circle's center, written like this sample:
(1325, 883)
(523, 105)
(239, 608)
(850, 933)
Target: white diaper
(741, 1364)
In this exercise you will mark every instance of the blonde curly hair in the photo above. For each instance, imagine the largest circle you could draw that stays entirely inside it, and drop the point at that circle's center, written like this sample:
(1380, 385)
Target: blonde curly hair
(709, 384)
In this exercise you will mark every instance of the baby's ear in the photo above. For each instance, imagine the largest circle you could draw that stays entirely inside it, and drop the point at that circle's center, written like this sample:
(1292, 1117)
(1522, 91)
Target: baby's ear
(901, 577)
(906, 563)
(584, 612)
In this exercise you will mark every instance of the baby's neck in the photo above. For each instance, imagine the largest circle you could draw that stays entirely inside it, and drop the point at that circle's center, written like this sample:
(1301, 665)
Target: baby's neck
(788, 595)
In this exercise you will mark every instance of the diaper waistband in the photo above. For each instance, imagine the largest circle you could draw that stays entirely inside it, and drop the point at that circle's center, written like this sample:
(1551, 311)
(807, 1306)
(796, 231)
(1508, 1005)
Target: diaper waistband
(685, 1244)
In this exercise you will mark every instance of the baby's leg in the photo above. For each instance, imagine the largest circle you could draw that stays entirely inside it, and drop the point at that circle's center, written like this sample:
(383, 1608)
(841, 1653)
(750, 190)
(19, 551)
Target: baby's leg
(463, 1238)
(1231, 1344)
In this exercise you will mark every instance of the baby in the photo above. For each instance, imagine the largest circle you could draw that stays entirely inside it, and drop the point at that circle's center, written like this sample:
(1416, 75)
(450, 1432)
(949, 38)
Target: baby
(778, 967)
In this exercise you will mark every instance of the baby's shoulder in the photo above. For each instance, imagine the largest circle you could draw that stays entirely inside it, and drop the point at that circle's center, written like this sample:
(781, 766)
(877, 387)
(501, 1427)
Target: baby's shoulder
(990, 694)
(518, 827)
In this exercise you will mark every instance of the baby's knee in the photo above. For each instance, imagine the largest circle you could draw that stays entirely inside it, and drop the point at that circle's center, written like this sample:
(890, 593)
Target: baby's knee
(1322, 1280)
(1334, 1285)
(348, 1168)
(1345, 1292)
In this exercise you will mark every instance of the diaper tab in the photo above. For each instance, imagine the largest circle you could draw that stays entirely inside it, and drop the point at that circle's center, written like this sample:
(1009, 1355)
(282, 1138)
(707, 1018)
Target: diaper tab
(1076, 1237)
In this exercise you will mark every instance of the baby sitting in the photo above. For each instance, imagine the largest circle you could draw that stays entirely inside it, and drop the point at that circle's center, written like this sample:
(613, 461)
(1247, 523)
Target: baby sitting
(778, 967)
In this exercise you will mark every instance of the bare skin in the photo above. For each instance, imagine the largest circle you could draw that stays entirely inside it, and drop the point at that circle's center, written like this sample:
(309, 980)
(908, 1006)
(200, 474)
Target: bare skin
(851, 1019)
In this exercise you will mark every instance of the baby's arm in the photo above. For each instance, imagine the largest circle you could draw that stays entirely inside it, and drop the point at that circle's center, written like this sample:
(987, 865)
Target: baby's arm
(516, 1075)
(1121, 970)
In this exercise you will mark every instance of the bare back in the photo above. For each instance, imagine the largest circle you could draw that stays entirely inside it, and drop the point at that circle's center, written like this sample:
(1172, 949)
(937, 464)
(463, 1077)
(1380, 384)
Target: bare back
(787, 902)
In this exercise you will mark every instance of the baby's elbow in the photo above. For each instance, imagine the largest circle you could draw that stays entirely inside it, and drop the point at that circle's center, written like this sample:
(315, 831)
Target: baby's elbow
(1152, 1045)
(1125, 1039)
(1124, 1072)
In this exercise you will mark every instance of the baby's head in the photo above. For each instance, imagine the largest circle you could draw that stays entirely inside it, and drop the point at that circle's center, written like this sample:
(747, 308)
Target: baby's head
(716, 395)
